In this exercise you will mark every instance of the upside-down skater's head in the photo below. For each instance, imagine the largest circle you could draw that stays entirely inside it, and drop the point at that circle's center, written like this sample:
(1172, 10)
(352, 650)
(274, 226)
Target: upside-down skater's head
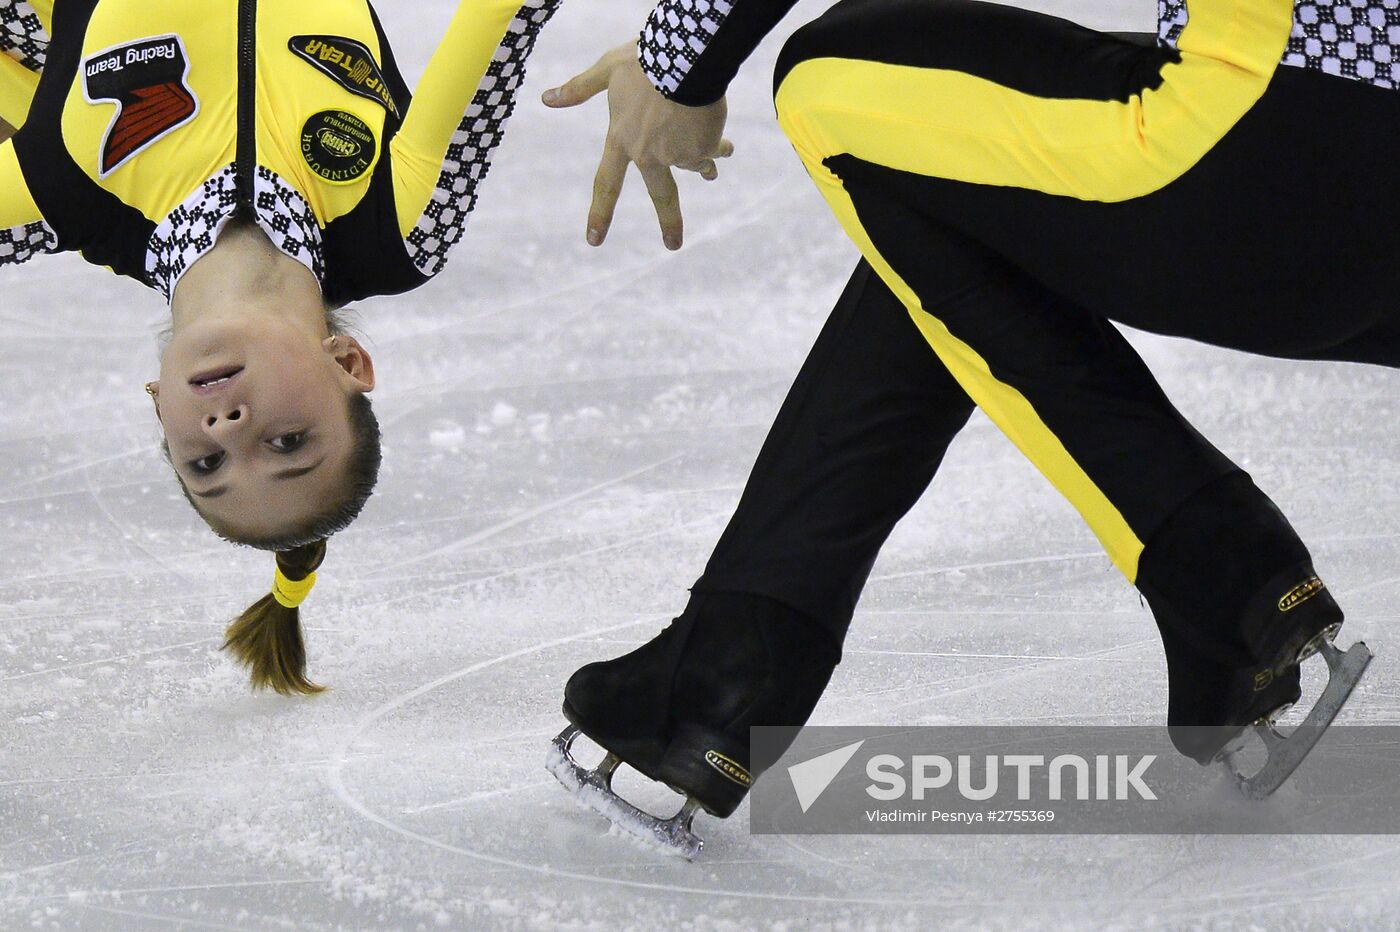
(264, 404)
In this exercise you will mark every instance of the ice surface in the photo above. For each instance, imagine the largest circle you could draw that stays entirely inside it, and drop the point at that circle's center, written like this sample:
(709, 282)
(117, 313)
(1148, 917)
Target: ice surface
(568, 429)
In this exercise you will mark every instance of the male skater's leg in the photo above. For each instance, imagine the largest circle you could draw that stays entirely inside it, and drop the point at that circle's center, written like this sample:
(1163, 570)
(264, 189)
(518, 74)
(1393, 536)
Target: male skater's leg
(857, 441)
(1049, 156)
(1054, 375)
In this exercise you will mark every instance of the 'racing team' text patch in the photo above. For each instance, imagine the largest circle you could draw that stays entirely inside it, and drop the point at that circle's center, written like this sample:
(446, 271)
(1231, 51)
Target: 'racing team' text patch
(148, 81)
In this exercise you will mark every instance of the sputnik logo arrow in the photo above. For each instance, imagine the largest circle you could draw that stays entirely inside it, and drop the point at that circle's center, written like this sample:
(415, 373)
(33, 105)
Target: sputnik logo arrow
(811, 777)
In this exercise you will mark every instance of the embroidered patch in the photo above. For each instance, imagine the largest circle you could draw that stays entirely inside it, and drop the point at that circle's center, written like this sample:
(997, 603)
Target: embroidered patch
(148, 81)
(338, 146)
(348, 63)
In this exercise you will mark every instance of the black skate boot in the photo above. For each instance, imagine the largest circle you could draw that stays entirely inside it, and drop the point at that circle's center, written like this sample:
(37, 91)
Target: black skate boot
(623, 704)
(678, 709)
(1234, 593)
(1213, 704)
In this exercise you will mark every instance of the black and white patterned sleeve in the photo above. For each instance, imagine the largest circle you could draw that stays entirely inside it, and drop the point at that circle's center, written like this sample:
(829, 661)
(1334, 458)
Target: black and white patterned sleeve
(22, 34)
(457, 119)
(691, 49)
(1171, 20)
(1355, 39)
(22, 243)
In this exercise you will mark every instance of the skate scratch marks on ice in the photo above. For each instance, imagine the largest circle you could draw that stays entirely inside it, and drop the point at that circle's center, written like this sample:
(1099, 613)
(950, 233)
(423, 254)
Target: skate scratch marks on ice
(145, 775)
(477, 797)
(628, 273)
(10, 875)
(980, 680)
(439, 388)
(190, 887)
(92, 663)
(543, 564)
(1276, 887)
(335, 778)
(1356, 590)
(125, 534)
(176, 920)
(991, 564)
(527, 515)
(80, 467)
(560, 537)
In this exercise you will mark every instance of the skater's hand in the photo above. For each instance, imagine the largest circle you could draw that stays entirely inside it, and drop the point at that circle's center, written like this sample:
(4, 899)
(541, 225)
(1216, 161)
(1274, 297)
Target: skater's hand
(646, 128)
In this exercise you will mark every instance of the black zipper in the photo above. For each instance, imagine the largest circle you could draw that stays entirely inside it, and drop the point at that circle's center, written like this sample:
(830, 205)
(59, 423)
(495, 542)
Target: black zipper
(247, 157)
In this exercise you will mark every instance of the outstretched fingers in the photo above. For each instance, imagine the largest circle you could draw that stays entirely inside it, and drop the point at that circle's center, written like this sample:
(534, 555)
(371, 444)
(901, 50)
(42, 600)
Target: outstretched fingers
(607, 187)
(646, 129)
(666, 198)
(580, 88)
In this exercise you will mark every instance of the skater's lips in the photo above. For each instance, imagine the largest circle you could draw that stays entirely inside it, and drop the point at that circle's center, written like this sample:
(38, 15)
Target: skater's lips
(214, 380)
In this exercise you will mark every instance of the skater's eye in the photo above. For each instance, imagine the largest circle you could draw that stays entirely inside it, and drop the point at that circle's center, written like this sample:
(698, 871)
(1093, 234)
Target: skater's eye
(206, 464)
(288, 442)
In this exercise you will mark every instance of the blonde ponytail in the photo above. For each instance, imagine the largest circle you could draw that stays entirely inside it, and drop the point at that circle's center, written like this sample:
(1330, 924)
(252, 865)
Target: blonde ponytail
(267, 637)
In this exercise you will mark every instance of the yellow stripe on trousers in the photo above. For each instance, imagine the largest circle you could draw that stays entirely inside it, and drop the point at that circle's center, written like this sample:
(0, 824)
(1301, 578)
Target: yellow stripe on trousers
(949, 124)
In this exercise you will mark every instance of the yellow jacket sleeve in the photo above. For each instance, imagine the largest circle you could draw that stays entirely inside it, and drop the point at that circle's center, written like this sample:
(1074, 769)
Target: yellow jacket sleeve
(17, 85)
(23, 232)
(443, 150)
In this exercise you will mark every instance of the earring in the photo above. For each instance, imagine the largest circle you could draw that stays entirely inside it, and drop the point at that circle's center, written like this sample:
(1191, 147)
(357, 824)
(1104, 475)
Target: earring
(151, 389)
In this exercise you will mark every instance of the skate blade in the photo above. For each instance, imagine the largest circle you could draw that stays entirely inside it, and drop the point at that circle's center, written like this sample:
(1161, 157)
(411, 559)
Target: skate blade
(594, 789)
(1287, 751)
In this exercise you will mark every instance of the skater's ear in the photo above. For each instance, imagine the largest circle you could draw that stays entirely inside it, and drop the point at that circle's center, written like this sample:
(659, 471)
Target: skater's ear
(350, 356)
(153, 390)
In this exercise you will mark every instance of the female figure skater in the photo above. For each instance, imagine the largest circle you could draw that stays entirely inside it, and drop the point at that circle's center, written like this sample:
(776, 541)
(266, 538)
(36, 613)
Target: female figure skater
(1015, 182)
(259, 166)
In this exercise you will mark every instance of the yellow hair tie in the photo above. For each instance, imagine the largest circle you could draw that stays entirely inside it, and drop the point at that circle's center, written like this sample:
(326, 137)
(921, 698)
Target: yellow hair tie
(290, 593)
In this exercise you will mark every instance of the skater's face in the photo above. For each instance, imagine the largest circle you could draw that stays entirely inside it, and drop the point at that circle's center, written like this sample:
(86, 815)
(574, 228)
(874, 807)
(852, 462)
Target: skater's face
(255, 409)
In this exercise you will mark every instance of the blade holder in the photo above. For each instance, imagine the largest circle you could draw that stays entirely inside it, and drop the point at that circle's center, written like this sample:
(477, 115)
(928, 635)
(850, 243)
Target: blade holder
(594, 789)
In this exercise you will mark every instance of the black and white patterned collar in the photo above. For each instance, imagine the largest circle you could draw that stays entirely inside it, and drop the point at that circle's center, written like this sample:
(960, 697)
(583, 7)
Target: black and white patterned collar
(192, 229)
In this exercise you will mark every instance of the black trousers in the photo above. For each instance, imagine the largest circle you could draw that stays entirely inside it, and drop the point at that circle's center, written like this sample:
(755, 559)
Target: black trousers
(1277, 238)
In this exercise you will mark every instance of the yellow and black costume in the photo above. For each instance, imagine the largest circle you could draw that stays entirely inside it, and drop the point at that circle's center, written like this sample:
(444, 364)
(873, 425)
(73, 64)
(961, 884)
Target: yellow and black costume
(1015, 182)
(145, 125)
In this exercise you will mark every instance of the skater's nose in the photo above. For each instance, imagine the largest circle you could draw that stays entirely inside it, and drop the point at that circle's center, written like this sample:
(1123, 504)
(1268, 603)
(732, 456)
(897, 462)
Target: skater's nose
(227, 422)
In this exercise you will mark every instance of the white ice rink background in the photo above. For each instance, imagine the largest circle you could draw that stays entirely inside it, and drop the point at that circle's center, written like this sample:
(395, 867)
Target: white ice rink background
(567, 430)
